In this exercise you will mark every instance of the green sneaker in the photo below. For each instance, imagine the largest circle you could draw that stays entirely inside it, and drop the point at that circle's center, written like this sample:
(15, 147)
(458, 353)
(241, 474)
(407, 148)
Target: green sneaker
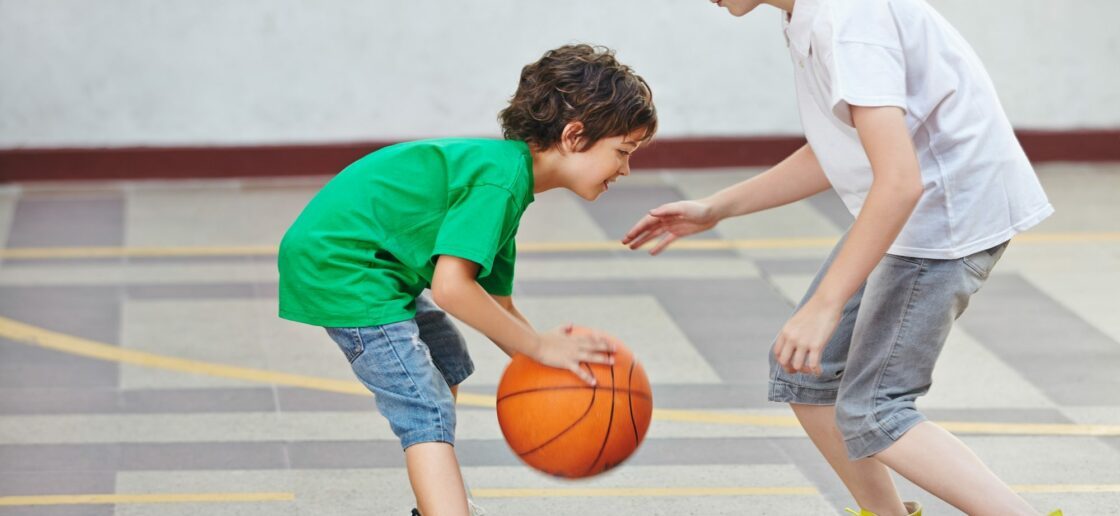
(912, 509)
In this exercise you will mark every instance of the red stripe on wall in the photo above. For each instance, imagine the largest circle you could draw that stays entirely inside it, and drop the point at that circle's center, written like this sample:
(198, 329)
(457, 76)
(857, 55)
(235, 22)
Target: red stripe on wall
(284, 160)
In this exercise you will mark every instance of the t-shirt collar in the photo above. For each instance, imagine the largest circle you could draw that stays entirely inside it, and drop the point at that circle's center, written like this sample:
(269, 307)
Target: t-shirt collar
(799, 26)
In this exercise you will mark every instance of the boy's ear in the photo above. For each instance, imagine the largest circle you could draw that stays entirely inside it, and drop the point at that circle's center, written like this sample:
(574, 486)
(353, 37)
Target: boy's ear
(571, 139)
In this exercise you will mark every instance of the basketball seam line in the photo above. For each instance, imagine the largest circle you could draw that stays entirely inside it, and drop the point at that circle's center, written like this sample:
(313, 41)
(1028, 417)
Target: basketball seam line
(571, 426)
(610, 425)
(630, 401)
(639, 394)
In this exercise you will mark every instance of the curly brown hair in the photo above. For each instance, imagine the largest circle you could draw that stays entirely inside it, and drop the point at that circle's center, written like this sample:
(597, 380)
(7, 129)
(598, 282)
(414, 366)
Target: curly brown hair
(578, 83)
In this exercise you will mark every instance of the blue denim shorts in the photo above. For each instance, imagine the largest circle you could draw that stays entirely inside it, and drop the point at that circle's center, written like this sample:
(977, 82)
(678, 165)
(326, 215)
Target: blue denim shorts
(881, 357)
(409, 366)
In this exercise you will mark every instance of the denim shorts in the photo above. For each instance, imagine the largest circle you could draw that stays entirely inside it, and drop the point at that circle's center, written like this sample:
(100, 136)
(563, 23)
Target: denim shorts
(881, 357)
(409, 366)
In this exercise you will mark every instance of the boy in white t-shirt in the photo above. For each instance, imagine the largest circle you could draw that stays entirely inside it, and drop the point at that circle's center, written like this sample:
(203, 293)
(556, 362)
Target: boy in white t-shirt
(903, 122)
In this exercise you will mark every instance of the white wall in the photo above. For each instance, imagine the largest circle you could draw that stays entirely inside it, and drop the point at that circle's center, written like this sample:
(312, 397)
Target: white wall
(197, 72)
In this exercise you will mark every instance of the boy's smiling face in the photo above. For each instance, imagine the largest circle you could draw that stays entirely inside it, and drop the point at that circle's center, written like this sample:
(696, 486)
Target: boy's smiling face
(737, 7)
(592, 170)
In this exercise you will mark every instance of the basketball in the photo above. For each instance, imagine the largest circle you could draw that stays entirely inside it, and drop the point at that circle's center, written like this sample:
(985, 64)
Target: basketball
(562, 426)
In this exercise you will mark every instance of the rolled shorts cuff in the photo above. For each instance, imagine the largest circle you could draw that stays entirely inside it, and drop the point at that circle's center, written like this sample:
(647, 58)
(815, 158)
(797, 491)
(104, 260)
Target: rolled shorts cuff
(458, 375)
(785, 392)
(882, 435)
(426, 435)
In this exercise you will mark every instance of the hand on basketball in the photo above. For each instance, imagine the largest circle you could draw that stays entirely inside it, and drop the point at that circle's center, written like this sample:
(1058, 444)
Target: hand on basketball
(559, 348)
(670, 222)
(804, 337)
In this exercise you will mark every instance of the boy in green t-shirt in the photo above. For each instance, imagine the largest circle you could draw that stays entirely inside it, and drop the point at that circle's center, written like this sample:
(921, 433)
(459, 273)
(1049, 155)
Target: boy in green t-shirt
(442, 214)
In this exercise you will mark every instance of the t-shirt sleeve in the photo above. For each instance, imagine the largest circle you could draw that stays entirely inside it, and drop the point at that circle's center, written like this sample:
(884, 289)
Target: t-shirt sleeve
(477, 227)
(500, 280)
(868, 63)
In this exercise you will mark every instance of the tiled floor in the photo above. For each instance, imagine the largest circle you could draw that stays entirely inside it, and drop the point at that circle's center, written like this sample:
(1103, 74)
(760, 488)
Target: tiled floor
(189, 273)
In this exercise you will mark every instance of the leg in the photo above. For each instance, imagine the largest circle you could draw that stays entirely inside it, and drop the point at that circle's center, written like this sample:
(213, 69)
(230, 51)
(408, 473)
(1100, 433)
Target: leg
(395, 364)
(434, 474)
(437, 481)
(449, 353)
(867, 480)
(813, 399)
(938, 462)
(908, 309)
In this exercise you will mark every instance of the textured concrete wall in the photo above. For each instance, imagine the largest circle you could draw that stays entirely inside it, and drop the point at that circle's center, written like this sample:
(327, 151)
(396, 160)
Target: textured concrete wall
(201, 72)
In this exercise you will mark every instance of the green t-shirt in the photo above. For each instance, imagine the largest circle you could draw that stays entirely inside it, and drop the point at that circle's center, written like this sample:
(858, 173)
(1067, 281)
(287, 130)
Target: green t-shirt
(365, 246)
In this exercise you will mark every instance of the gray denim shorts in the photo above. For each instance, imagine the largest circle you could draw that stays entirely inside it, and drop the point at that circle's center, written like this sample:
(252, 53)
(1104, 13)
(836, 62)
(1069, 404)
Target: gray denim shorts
(410, 367)
(881, 357)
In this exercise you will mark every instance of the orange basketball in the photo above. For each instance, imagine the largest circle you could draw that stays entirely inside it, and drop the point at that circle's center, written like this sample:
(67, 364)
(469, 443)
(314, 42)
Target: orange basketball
(562, 426)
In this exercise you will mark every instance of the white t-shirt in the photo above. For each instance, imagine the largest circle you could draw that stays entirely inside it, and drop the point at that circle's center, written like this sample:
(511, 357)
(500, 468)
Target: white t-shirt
(980, 190)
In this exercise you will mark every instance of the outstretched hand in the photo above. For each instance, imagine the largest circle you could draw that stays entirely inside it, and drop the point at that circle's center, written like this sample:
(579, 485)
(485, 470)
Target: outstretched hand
(670, 222)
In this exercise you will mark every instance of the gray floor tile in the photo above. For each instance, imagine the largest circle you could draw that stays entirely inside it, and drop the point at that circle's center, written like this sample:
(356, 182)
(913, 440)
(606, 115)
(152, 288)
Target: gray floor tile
(660, 452)
(56, 400)
(88, 312)
(33, 483)
(199, 260)
(59, 457)
(188, 291)
(352, 455)
(188, 456)
(623, 208)
(833, 209)
(21, 399)
(167, 401)
(23, 353)
(71, 222)
(92, 375)
(789, 266)
(990, 415)
(303, 400)
(1112, 441)
(731, 323)
(1070, 360)
(813, 466)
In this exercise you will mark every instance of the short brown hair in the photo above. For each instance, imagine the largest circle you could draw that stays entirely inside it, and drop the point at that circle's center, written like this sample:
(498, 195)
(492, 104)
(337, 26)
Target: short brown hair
(578, 83)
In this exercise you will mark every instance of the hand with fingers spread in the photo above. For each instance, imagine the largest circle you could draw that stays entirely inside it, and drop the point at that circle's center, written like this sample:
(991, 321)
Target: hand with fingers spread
(670, 222)
(559, 348)
(803, 338)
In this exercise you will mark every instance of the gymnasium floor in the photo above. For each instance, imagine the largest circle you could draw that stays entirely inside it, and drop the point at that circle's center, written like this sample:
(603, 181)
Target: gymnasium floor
(141, 358)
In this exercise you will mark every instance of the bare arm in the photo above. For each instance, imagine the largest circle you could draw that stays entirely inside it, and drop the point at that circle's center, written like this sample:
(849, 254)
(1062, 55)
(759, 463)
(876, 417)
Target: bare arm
(795, 178)
(507, 303)
(455, 290)
(895, 191)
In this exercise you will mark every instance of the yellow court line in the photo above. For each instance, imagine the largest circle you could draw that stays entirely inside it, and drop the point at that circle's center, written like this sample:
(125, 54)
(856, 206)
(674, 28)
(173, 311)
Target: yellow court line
(612, 492)
(1067, 488)
(62, 253)
(36, 336)
(579, 492)
(592, 492)
(980, 428)
(116, 499)
(723, 418)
